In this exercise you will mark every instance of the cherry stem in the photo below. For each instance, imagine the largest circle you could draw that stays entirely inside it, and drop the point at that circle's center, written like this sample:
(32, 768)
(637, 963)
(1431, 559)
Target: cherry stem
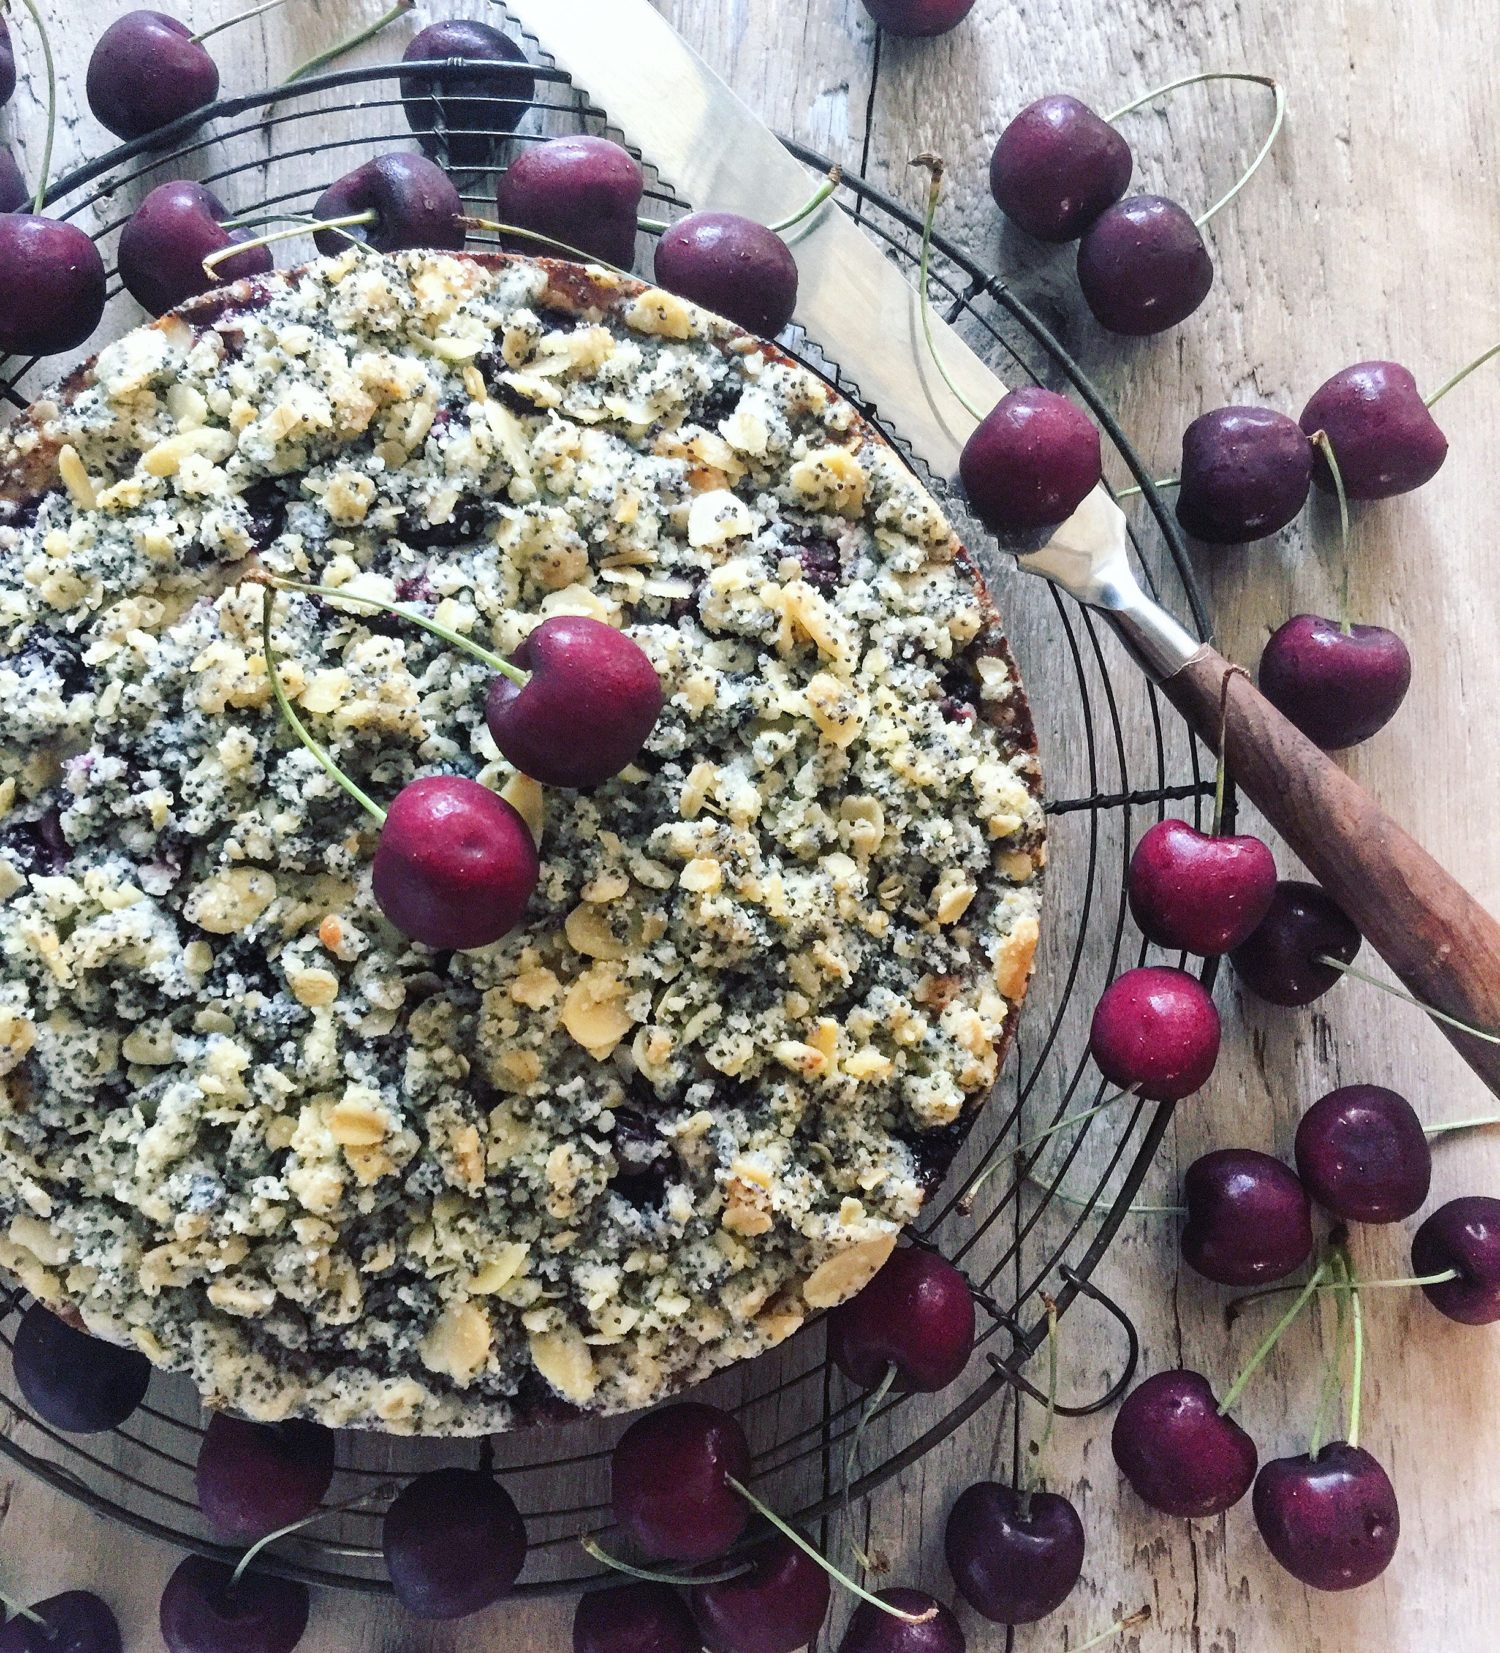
(814, 201)
(1409, 998)
(965, 1202)
(313, 64)
(768, 1514)
(1278, 94)
(653, 226)
(1329, 1387)
(1032, 1476)
(386, 1489)
(1319, 440)
(1253, 1365)
(1159, 482)
(336, 594)
(1221, 769)
(1236, 1305)
(308, 226)
(1131, 1210)
(51, 71)
(229, 22)
(30, 1614)
(491, 227)
(300, 729)
(1142, 1616)
(592, 1547)
(1462, 374)
(1475, 1124)
(934, 165)
(1357, 1369)
(851, 1460)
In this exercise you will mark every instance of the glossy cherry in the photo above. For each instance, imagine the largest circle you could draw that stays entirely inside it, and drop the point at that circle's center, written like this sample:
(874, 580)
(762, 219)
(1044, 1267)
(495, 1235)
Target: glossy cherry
(75, 1382)
(1339, 686)
(1280, 962)
(77, 1621)
(204, 1611)
(147, 71)
(1013, 1563)
(669, 1482)
(871, 1631)
(1031, 462)
(1331, 1521)
(732, 266)
(777, 1607)
(917, 1315)
(1249, 1218)
(1057, 166)
(1245, 473)
(592, 700)
(1201, 892)
(1362, 1154)
(1143, 266)
(454, 1543)
(1175, 1449)
(54, 285)
(634, 1617)
(255, 1478)
(583, 192)
(15, 194)
(1156, 1032)
(1382, 433)
(1464, 1234)
(416, 204)
(166, 239)
(918, 19)
(457, 113)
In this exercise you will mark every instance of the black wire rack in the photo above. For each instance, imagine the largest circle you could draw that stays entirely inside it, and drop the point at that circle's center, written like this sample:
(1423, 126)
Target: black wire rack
(1043, 1217)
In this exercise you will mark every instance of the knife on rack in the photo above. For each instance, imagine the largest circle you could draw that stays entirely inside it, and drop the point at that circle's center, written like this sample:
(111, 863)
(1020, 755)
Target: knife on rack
(715, 151)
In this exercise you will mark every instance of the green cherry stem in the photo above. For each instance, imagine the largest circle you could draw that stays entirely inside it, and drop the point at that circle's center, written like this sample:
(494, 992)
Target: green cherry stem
(1221, 768)
(653, 226)
(51, 72)
(851, 1460)
(592, 1547)
(1409, 998)
(1329, 1387)
(1121, 1627)
(1032, 1476)
(1272, 1338)
(1357, 1367)
(15, 1609)
(810, 206)
(387, 1489)
(1319, 440)
(1237, 1305)
(1462, 374)
(305, 227)
(229, 22)
(313, 64)
(491, 227)
(1130, 1210)
(934, 165)
(813, 1554)
(1159, 482)
(965, 1201)
(1476, 1124)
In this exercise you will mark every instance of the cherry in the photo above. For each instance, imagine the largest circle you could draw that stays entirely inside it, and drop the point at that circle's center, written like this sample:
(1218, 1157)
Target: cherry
(1156, 1032)
(635, 1617)
(1199, 892)
(917, 1315)
(75, 1382)
(1245, 473)
(1057, 166)
(1031, 462)
(669, 1482)
(7, 64)
(166, 239)
(918, 19)
(1383, 435)
(1330, 1520)
(581, 192)
(454, 1543)
(460, 111)
(1249, 1218)
(1338, 684)
(1362, 1154)
(76, 1621)
(255, 1478)
(871, 1631)
(54, 285)
(14, 192)
(1142, 266)
(1464, 1234)
(732, 266)
(146, 71)
(1014, 1557)
(204, 1609)
(1175, 1448)
(1281, 960)
(592, 700)
(776, 1607)
(414, 202)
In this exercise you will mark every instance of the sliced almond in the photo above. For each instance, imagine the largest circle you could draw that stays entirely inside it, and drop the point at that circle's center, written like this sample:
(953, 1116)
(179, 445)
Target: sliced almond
(847, 1272)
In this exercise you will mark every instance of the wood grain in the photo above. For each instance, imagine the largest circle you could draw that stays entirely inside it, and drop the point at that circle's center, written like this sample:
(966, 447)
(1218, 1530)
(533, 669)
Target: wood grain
(1372, 232)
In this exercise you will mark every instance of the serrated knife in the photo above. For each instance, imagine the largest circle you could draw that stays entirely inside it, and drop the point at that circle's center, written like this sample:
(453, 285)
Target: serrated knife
(862, 313)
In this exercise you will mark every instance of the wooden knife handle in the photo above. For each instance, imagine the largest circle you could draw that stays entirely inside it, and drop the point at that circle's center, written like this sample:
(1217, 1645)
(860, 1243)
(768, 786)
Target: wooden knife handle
(1436, 937)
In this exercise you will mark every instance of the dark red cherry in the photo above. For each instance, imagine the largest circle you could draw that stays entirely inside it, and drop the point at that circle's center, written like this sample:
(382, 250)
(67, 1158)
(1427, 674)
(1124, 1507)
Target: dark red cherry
(1381, 431)
(919, 19)
(871, 1631)
(635, 1617)
(1175, 1449)
(583, 192)
(592, 701)
(1057, 166)
(1031, 462)
(14, 193)
(917, 1315)
(255, 1478)
(54, 285)
(1362, 1154)
(1245, 474)
(147, 71)
(203, 1612)
(7, 66)
(77, 1383)
(166, 239)
(1012, 1563)
(458, 113)
(1331, 1521)
(732, 266)
(669, 1482)
(777, 1607)
(455, 865)
(1464, 1234)
(76, 1622)
(416, 205)
(1280, 962)
(1249, 1218)
(1201, 893)
(454, 1543)
(1156, 1032)
(1142, 266)
(1338, 686)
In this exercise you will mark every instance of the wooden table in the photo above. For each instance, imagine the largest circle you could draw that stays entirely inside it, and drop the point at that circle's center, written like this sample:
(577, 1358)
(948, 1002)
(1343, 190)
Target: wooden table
(1373, 231)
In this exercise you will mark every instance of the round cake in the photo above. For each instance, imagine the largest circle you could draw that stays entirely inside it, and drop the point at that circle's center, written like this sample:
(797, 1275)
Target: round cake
(768, 970)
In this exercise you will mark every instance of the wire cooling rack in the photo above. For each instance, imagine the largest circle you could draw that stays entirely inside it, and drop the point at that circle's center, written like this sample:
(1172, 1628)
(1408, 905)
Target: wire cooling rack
(1113, 763)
